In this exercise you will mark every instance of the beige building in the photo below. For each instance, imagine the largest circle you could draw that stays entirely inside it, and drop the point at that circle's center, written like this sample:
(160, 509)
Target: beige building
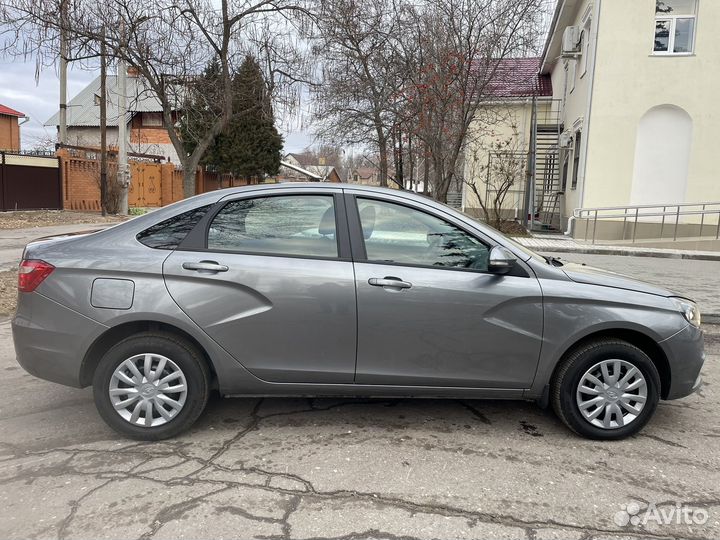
(633, 103)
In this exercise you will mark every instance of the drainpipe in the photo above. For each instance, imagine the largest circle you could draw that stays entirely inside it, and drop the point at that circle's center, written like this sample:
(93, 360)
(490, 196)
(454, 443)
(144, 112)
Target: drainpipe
(529, 210)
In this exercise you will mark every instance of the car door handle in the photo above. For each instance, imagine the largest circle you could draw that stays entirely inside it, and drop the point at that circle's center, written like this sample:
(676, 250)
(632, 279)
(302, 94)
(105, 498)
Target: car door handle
(388, 281)
(205, 266)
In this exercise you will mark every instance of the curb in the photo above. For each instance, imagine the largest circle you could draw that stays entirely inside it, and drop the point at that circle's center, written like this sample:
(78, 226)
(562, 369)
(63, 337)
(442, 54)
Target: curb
(689, 255)
(710, 318)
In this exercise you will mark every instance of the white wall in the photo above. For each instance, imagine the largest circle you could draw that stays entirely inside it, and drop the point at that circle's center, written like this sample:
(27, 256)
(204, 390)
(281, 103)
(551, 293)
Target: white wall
(662, 156)
(630, 81)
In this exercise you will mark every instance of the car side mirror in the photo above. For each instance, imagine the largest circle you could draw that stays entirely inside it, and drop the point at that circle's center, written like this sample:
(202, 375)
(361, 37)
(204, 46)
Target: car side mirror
(501, 260)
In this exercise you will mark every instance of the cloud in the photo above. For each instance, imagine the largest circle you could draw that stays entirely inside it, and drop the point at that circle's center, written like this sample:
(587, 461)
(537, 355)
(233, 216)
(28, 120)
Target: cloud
(37, 99)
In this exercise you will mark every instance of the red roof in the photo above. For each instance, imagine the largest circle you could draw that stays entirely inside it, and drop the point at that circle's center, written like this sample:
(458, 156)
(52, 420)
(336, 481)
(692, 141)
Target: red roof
(7, 111)
(519, 77)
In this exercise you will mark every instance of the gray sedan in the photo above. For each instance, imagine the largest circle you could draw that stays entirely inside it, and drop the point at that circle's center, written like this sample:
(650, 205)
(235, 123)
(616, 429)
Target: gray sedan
(342, 291)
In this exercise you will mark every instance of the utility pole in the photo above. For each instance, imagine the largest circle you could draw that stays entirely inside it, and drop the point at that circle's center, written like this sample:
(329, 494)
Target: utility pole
(123, 178)
(63, 71)
(103, 128)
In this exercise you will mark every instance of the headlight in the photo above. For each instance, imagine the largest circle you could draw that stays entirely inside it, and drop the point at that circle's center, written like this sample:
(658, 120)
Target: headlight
(689, 310)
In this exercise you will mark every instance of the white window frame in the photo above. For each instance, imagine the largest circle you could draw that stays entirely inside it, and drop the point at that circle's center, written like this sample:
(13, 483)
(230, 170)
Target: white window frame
(572, 73)
(585, 47)
(671, 38)
(576, 157)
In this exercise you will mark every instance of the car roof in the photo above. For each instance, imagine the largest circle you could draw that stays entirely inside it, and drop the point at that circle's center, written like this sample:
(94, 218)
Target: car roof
(324, 185)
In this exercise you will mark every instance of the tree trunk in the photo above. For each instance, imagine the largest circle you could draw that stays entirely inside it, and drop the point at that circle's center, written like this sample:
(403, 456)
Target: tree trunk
(439, 185)
(399, 172)
(382, 148)
(189, 181)
(426, 173)
(411, 164)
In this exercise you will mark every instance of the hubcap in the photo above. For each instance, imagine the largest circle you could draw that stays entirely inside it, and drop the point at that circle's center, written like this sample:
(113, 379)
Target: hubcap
(611, 394)
(148, 390)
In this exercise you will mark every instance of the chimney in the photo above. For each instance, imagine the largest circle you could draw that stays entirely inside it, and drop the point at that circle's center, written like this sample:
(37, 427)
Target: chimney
(132, 71)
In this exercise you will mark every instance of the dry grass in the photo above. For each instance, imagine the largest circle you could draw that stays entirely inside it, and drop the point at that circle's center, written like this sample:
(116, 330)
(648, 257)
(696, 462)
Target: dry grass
(46, 218)
(8, 292)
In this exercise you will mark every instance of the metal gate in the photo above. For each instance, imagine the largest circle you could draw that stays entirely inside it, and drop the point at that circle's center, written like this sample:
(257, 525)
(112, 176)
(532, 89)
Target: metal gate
(29, 182)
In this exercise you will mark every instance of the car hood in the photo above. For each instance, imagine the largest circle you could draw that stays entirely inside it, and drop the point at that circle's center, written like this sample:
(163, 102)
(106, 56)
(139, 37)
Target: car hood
(605, 278)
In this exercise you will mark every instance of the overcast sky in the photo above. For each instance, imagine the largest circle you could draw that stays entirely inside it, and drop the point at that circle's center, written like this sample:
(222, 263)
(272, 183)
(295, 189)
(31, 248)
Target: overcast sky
(39, 100)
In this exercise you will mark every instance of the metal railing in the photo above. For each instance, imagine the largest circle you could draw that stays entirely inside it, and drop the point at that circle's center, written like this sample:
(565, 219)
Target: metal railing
(664, 215)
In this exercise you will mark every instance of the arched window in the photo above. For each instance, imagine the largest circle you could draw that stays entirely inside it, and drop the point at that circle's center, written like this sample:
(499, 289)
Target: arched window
(662, 156)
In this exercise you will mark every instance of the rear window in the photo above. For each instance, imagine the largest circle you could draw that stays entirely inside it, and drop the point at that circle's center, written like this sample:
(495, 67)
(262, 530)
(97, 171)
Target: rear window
(170, 233)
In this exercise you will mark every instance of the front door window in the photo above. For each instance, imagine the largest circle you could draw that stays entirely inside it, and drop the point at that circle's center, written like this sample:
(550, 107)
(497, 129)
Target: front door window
(398, 234)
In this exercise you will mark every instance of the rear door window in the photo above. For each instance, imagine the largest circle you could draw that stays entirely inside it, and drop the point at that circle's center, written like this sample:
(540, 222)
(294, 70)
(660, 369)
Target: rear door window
(295, 225)
(168, 234)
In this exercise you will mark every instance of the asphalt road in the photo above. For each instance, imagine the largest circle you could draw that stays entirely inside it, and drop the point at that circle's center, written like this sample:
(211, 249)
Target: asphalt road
(298, 468)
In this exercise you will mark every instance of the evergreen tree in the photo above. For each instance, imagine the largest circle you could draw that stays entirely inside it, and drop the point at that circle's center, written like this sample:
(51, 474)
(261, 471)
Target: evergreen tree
(200, 109)
(250, 146)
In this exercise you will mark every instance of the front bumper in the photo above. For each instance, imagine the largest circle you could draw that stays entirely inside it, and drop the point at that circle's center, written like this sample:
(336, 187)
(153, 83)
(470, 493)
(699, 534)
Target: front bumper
(685, 352)
(50, 339)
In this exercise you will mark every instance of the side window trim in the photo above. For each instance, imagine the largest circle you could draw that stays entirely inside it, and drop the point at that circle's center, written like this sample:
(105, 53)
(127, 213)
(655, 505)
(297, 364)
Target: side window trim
(357, 243)
(197, 239)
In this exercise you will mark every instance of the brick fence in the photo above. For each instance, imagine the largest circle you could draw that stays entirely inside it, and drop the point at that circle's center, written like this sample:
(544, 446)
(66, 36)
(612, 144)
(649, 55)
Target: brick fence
(151, 184)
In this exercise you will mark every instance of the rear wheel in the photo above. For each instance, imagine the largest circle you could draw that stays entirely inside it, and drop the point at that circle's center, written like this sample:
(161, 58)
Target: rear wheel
(606, 389)
(151, 386)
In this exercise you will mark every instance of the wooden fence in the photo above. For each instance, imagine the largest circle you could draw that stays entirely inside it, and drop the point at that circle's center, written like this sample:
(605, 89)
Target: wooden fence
(152, 184)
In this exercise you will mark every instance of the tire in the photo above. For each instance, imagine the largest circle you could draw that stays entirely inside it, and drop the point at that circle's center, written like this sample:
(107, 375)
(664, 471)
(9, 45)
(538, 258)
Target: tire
(624, 401)
(181, 387)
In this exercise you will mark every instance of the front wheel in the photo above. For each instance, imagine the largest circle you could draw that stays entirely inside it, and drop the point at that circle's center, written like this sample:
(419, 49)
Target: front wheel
(606, 389)
(151, 386)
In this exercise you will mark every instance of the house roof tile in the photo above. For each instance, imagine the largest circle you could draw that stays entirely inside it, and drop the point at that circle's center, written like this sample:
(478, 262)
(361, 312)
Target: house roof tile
(7, 111)
(519, 77)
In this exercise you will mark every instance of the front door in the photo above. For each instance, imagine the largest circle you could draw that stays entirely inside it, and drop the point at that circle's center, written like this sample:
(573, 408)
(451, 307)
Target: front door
(429, 313)
(272, 287)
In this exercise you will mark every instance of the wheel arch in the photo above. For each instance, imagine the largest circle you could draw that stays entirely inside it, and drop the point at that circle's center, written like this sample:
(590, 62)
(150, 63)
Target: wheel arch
(639, 339)
(117, 333)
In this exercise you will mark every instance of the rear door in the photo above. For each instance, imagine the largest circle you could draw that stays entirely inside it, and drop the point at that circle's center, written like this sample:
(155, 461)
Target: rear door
(271, 280)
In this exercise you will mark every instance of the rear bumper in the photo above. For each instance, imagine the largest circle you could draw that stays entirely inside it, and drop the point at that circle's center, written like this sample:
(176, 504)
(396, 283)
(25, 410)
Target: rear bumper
(686, 355)
(50, 339)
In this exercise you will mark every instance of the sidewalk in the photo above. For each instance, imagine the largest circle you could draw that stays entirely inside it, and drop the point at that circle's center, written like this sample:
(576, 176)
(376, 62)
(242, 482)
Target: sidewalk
(564, 244)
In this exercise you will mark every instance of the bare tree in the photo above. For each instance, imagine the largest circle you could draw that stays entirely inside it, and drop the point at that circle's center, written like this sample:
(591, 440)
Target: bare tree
(360, 76)
(452, 52)
(492, 181)
(168, 42)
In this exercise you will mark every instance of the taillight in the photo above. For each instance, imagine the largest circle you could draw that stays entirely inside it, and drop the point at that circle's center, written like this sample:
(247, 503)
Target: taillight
(32, 272)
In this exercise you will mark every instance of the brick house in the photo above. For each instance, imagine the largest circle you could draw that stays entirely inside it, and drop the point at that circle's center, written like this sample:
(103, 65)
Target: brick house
(146, 128)
(10, 128)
